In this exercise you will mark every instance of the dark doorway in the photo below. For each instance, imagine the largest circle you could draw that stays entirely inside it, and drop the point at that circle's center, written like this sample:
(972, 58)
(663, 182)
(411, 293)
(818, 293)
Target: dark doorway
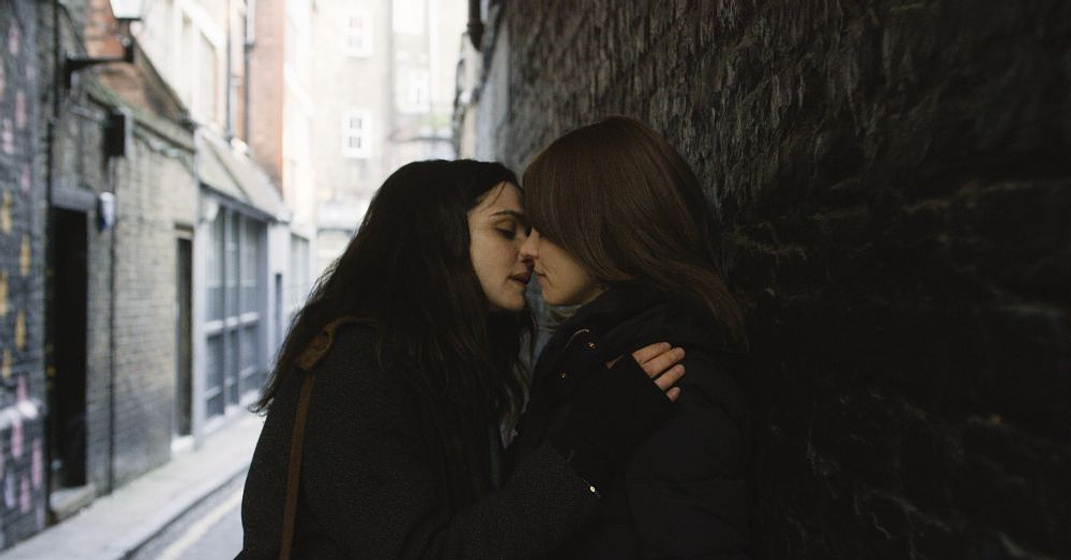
(184, 338)
(67, 348)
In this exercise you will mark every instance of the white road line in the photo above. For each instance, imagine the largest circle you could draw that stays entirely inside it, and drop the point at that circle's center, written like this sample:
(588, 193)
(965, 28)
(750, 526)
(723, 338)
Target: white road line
(198, 530)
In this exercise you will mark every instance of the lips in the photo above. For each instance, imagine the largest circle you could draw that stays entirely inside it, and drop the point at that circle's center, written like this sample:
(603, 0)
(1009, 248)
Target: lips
(522, 278)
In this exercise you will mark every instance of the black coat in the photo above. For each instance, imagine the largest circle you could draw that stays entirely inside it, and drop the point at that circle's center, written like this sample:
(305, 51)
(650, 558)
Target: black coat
(377, 482)
(683, 492)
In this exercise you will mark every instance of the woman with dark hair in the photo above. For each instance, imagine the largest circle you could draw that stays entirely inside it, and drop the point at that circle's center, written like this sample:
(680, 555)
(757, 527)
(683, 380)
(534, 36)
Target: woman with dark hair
(385, 404)
(621, 229)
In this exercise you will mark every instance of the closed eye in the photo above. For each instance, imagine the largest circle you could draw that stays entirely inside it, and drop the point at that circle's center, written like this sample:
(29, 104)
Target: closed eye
(507, 233)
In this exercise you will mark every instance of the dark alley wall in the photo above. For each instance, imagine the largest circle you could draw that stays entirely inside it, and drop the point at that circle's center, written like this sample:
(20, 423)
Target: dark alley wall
(23, 455)
(893, 178)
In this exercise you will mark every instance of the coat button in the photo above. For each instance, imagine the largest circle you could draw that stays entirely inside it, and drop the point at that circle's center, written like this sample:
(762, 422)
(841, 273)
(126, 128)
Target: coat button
(591, 346)
(562, 375)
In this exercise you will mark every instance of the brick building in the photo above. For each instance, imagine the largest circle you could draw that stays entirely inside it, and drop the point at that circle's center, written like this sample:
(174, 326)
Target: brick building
(280, 73)
(398, 58)
(893, 183)
(118, 140)
(142, 250)
(241, 243)
(23, 471)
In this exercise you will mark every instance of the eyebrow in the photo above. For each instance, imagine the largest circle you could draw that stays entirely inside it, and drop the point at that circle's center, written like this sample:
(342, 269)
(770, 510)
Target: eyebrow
(512, 213)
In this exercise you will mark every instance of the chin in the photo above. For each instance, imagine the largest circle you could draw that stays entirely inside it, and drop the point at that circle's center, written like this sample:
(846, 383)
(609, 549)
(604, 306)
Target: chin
(509, 306)
(553, 301)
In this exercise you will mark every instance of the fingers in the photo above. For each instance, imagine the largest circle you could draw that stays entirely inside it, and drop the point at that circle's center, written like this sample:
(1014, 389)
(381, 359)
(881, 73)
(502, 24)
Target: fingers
(650, 351)
(667, 380)
(661, 362)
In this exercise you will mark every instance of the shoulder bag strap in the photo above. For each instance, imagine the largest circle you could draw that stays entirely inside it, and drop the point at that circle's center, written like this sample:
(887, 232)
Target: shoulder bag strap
(294, 476)
(305, 363)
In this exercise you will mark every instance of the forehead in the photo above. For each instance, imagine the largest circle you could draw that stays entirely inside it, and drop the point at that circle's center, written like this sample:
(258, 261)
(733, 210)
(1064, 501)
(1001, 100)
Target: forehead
(504, 196)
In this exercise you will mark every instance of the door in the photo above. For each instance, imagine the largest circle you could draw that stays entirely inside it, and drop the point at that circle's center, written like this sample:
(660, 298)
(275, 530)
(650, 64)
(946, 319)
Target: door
(66, 344)
(183, 337)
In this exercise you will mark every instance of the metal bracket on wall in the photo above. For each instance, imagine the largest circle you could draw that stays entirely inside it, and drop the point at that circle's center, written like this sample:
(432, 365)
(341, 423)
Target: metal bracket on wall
(75, 64)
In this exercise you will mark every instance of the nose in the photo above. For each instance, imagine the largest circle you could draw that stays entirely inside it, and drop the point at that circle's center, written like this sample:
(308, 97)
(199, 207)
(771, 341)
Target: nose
(530, 247)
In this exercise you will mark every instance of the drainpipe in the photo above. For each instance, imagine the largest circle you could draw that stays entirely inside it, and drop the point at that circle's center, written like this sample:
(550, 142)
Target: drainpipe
(50, 178)
(229, 84)
(112, 346)
(248, 42)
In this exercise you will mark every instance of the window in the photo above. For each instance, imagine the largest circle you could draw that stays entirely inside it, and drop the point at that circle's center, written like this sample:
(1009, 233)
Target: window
(415, 92)
(250, 265)
(206, 99)
(189, 43)
(358, 33)
(235, 359)
(214, 283)
(356, 133)
(409, 16)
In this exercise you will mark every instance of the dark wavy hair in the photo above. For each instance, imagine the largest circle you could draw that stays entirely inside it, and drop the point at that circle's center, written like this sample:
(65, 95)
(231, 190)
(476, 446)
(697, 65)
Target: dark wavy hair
(409, 271)
(622, 202)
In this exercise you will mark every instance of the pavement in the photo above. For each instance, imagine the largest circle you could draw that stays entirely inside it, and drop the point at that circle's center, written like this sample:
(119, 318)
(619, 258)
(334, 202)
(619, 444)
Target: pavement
(115, 526)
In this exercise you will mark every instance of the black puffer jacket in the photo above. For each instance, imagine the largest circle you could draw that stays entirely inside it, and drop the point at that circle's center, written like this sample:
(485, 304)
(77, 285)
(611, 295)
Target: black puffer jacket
(683, 493)
(377, 483)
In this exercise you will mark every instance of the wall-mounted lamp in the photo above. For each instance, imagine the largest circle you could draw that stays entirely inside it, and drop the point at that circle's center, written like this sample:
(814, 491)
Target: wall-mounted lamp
(125, 12)
(209, 210)
(105, 211)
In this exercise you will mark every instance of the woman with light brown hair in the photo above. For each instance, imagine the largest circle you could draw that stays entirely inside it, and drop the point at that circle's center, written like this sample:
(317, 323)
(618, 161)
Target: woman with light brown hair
(620, 228)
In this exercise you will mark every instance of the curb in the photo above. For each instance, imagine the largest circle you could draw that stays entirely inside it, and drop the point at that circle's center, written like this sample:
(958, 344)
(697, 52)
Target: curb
(127, 547)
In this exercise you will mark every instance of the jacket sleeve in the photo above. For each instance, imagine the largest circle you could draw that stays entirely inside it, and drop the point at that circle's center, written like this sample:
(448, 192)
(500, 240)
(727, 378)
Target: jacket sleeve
(686, 485)
(369, 479)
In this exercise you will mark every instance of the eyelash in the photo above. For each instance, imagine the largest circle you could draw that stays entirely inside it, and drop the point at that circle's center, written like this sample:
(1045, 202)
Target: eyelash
(507, 233)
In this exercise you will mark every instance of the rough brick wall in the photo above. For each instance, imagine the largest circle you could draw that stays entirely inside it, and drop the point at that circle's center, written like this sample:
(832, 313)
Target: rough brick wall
(267, 91)
(156, 192)
(22, 442)
(79, 163)
(131, 267)
(893, 179)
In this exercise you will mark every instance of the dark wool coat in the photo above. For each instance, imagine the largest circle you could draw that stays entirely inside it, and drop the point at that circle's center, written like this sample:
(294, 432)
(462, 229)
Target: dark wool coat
(683, 493)
(376, 481)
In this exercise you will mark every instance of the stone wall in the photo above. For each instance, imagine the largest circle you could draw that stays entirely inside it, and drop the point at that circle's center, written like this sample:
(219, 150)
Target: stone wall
(893, 182)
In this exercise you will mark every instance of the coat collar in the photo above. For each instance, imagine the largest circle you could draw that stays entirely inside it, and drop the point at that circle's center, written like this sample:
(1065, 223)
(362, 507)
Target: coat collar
(622, 320)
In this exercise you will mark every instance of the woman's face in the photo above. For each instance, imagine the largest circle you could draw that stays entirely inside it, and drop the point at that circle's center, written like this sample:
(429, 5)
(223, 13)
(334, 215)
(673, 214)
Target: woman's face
(561, 278)
(497, 231)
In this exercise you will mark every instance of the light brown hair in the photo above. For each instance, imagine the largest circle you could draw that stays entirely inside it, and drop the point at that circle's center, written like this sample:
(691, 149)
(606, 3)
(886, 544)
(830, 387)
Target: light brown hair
(629, 209)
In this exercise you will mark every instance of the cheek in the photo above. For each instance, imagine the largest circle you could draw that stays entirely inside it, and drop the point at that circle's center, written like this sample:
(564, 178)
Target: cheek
(572, 275)
(492, 256)
(478, 250)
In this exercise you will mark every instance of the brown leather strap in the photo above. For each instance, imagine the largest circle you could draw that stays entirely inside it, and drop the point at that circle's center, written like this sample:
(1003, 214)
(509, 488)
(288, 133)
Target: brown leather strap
(306, 361)
(294, 477)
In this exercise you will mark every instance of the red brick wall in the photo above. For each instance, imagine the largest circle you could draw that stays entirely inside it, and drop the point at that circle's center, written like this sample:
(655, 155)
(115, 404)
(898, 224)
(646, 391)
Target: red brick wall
(101, 30)
(267, 89)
